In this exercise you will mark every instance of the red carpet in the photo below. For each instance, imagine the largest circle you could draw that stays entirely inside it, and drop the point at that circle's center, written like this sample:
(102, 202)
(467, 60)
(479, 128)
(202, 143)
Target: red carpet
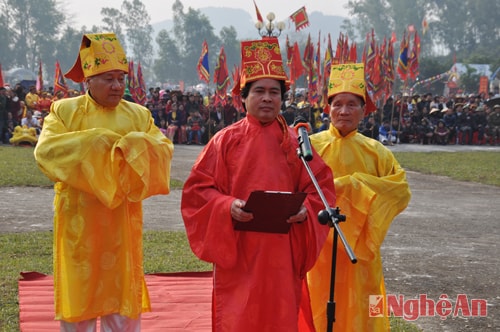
(180, 302)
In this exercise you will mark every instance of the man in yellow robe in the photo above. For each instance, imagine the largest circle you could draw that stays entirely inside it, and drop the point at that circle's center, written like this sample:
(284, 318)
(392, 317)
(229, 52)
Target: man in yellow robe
(106, 156)
(371, 190)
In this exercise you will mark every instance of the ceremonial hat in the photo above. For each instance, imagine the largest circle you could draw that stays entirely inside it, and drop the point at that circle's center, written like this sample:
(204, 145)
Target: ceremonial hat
(99, 53)
(261, 59)
(350, 78)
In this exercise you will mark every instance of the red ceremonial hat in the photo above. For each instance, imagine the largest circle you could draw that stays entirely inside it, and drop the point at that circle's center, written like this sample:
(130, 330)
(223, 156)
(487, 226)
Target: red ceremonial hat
(261, 59)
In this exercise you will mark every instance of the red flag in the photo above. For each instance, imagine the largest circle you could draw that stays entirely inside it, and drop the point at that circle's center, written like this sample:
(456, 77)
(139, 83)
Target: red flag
(1, 77)
(39, 78)
(140, 92)
(413, 58)
(59, 82)
(289, 51)
(237, 100)
(308, 53)
(131, 80)
(299, 17)
(403, 58)
(425, 26)
(259, 17)
(296, 67)
(389, 70)
(221, 77)
(353, 53)
(203, 70)
(393, 37)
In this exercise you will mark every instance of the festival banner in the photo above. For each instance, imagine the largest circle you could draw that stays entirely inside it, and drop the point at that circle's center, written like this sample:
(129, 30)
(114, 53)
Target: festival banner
(203, 69)
(221, 77)
(59, 81)
(140, 92)
(299, 17)
(39, 78)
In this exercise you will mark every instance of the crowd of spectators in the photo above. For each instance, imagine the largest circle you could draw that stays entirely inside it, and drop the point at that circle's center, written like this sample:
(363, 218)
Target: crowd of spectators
(192, 118)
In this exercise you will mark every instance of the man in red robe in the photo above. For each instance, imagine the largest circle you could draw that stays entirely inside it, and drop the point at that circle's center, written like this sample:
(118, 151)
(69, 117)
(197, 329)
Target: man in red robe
(257, 275)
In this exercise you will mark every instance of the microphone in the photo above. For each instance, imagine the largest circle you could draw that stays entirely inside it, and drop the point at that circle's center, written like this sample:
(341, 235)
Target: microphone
(301, 127)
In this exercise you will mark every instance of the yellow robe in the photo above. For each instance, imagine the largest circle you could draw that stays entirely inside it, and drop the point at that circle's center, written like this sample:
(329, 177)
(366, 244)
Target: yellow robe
(104, 162)
(371, 190)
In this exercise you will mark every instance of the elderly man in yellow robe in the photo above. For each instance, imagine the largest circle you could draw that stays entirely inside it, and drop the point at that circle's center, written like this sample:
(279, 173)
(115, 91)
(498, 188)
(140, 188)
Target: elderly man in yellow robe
(105, 156)
(371, 190)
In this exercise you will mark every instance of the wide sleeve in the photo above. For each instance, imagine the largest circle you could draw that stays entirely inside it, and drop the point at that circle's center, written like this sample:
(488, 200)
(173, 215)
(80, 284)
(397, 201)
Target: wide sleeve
(371, 202)
(146, 163)
(101, 162)
(206, 210)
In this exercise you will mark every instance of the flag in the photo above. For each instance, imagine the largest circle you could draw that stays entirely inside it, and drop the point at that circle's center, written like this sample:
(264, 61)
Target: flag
(327, 64)
(289, 51)
(203, 70)
(237, 100)
(140, 92)
(259, 17)
(389, 70)
(353, 53)
(425, 26)
(413, 65)
(296, 67)
(2, 83)
(59, 81)
(131, 80)
(308, 53)
(403, 58)
(299, 17)
(393, 37)
(39, 78)
(221, 77)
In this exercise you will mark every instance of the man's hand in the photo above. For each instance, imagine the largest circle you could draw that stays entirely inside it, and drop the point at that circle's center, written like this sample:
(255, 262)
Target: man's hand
(238, 213)
(300, 217)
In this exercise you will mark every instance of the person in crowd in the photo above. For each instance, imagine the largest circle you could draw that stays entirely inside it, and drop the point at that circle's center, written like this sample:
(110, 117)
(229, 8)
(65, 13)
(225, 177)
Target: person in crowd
(32, 99)
(369, 127)
(10, 126)
(425, 131)
(257, 275)
(465, 123)
(105, 156)
(480, 122)
(372, 190)
(450, 122)
(494, 125)
(44, 103)
(387, 135)
(195, 125)
(441, 133)
(290, 113)
(173, 123)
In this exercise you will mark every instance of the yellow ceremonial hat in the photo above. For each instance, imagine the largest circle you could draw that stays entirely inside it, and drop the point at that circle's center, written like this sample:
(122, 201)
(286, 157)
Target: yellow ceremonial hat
(349, 78)
(99, 53)
(261, 59)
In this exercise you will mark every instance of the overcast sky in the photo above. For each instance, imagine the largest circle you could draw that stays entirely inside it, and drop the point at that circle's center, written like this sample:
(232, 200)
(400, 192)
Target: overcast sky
(88, 12)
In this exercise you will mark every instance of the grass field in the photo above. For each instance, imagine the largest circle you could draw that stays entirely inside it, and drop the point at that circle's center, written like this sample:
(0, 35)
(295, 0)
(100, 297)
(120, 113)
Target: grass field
(169, 251)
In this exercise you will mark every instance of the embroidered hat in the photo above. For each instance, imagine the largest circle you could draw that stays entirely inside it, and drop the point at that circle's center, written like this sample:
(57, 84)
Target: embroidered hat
(261, 59)
(350, 78)
(99, 53)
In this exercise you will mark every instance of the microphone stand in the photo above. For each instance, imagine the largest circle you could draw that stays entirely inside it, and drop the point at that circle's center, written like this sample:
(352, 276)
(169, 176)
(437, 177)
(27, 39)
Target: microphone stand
(331, 217)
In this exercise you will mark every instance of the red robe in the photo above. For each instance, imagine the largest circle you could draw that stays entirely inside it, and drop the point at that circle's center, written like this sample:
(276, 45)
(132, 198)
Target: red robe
(257, 276)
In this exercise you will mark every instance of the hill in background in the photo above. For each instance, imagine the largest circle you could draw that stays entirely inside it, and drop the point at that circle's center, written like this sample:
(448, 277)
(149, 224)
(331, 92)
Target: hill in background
(244, 23)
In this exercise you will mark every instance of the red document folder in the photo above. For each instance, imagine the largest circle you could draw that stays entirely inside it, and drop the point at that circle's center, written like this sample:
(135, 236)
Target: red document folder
(270, 210)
